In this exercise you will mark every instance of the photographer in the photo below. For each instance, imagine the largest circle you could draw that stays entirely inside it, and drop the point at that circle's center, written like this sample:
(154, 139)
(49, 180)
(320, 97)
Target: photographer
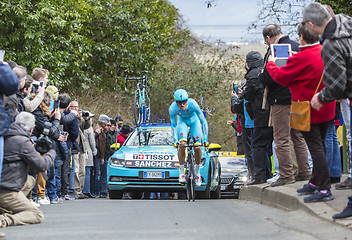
(19, 156)
(42, 116)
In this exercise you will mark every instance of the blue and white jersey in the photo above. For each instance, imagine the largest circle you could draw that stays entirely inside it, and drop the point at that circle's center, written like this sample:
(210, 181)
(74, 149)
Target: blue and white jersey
(192, 117)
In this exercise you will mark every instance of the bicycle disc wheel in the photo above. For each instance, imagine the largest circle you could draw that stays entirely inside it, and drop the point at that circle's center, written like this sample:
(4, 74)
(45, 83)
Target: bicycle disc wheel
(137, 108)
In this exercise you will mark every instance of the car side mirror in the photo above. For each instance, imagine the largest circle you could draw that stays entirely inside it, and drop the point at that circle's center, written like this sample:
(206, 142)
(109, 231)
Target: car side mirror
(115, 146)
(214, 147)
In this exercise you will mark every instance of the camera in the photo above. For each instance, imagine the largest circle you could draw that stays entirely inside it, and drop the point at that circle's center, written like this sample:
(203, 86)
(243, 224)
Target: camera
(44, 143)
(85, 114)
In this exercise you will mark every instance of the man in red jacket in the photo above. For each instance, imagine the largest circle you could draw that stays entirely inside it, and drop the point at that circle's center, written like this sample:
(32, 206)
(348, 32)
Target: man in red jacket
(125, 131)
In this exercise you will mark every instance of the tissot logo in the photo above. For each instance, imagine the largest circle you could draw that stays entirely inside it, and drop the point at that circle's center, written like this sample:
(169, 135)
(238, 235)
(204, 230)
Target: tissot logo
(158, 157)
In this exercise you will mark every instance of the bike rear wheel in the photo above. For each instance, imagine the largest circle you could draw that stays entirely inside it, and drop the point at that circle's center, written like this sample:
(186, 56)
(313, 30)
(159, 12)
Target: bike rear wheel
(137, 107)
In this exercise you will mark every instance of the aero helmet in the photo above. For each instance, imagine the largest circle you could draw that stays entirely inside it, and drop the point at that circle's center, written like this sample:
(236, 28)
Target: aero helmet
(180, 95)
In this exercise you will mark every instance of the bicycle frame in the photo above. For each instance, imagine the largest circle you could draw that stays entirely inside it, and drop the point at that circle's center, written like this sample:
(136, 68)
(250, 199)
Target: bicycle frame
(190, 174)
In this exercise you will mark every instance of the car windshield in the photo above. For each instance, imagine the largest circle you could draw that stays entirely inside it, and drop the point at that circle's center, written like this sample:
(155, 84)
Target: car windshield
(150, 137)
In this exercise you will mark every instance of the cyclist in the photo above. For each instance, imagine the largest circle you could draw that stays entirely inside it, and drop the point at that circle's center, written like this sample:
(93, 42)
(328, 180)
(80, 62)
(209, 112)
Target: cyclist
(189, 115)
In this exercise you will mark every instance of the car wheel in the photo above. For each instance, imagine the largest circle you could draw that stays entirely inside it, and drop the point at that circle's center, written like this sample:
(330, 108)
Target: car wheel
(217, 193)
(206, 193)
(115, 194)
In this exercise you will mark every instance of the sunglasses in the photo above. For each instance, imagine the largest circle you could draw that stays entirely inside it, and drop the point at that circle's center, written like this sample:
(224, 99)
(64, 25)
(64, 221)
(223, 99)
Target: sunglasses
(181, 102)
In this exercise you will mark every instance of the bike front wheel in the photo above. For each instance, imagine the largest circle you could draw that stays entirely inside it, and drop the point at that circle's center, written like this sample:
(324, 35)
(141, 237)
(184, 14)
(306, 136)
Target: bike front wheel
(137, 107)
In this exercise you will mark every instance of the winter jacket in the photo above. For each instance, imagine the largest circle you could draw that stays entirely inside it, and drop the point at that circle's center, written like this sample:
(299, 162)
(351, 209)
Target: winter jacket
(253, 92)
(302, 74)
(40, 119)
(91, 146)
(110, 139)
(72, 128)
(337, 58)
(121, 138)
(31, 105)
(17, 160)
(9, 84)
(277, 94)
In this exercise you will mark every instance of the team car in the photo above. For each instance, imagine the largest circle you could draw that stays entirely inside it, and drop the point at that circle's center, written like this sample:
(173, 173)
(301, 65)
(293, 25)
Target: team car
(147, 162)
(233, 175)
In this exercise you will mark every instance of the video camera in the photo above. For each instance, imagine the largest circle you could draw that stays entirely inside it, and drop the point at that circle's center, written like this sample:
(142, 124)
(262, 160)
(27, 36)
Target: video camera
(44, 143)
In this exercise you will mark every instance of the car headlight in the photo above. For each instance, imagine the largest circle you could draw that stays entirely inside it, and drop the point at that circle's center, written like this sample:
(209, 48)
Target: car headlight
(117, 161)
(242, 177)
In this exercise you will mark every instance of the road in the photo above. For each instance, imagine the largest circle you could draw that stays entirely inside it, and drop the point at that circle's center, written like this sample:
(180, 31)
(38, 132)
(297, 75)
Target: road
(174, 219)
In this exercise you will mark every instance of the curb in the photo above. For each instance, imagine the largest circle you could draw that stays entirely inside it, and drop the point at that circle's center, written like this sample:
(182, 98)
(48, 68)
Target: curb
(286, 198)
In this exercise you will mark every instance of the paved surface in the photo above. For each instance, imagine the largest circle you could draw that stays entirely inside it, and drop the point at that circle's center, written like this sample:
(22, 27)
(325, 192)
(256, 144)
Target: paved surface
(174, 219)
(285, 197)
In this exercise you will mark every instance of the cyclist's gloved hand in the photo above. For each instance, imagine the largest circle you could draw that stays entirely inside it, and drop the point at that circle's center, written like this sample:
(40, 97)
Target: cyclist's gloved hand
(206, 144)
(176, 145)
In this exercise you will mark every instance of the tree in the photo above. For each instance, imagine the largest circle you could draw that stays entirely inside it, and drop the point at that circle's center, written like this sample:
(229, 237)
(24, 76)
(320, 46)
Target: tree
(288, 14)
(342, 6)
(84, 42)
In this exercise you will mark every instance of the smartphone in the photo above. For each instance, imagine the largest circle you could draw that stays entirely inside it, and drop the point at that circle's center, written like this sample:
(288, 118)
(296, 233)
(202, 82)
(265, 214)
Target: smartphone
(56, 104)
(41, 83)
(235, 88)
(2, 55)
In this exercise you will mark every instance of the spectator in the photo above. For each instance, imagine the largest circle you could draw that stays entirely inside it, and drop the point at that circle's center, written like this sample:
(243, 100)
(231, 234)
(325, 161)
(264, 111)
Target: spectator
(238, 105)
(43, 115)
(262, 133)
(81, 156)
(337, 46)
(9, 84)
(12, 101)
(24, 93)
(17, 161)
(110, 139)
(73, 130)
(92, 151)
(302, 74)
(70, 125)
(279, 98)
(332, 146)
(346, 113)
(119, 123)
(125, 131)
(100, 161)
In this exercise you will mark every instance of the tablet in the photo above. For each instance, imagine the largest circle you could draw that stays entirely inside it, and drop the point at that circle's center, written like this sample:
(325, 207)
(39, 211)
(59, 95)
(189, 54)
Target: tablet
(281, 51)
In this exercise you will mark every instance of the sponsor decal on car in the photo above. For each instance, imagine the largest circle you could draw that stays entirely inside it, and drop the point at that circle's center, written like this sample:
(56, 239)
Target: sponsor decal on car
(152, 160)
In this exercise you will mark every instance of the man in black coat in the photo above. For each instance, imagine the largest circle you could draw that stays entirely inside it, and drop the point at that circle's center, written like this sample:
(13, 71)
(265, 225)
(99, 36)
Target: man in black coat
(262, 133)
(279, 101)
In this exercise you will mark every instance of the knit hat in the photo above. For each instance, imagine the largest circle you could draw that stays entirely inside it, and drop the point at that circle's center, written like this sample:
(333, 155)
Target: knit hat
(53, 92)
(103, 118)
(118, 118)
(125, 129)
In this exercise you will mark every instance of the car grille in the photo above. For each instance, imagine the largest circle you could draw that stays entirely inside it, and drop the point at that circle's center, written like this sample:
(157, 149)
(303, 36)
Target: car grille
(137, 179)
(227, 180)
